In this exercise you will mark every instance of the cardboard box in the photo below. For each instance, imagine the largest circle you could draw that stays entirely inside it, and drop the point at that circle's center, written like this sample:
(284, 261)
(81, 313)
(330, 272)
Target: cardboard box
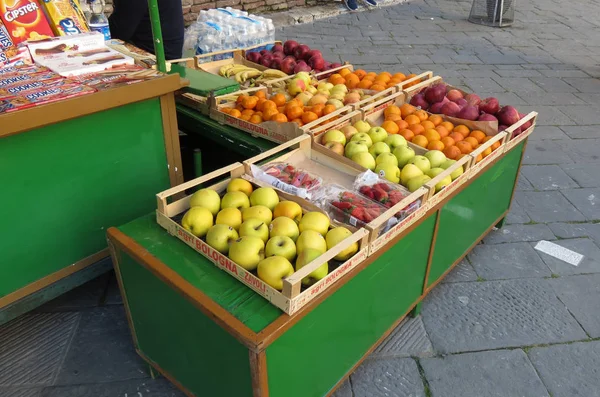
(24, 20)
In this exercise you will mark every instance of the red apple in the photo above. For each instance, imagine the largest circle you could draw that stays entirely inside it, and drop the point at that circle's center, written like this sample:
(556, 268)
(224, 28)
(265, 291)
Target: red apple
(454, 95)
(302, 67)
(266, 60)
(254, 57)
(316, 62)
(277, 48)
(301, 51)
(508, 115)
(419, 101)
(489, 105)
(473, 99)
(468, 113)
(288, 65)
(486, 117)
(289, 47)
(450, 109)
(278, 55)
(313, 53)
(435, 93)
(276, 64)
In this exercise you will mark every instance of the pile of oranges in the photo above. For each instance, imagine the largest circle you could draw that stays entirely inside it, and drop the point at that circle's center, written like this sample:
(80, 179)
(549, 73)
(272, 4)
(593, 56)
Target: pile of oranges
(369, 81)
(257, 108)
(433, 133)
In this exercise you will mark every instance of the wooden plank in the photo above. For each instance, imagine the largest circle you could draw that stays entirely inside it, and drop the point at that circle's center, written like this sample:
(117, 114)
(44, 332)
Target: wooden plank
(171, 133)
(258, 369)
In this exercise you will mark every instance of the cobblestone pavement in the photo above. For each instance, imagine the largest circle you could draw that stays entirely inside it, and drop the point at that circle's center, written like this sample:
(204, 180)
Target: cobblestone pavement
(509, 321)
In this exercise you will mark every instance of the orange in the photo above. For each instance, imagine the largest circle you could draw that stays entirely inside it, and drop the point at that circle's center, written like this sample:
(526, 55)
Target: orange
(260, 94)
(258, 114)
(442, 131)
(416, 128)
(260, 103)
(399, 76)
(487, 152)
(250, 102)
(472, 141)
(256, 119)
(293, 103)
(452, 152)
(245, 117)
(435, 145)
(447, 141)
(407, 109)
(234, 113)
(318, 109)
(421, 114)
(365, 84)
(377, 87)
(479, 158)
(465, 147)
(447, 125)
(402, 124)
(344, 72)
(308, 117)
(394, 117)
(390, 127)
(384, 78)
(360, 73)
(279, 99)
(487, 138)
(336, 79)
(269, 105)
(298, 121)
(456, 136)
(463, 129)
(388, 74)
(240, 99)
(281, 109)
(420, 140)
(371, 76)
(393, 109)
(428, 125)
(407, 134)
(352, 80)
(294, 112)
(479, 135)
(248, 112)
(328, 109)
(460, 156)
(240, 107)
(394, 81)
(495, 145)
(412, 119)
(436, 119)
(280, 118)
(269, 113)
(228, 110)
(432, 135)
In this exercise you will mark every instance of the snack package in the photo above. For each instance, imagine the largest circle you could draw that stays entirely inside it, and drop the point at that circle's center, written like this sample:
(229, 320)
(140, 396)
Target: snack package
(5, 40)
(21, 69)
(65, 17)
(24, 20)
(385, 193)
(13, 56)
(288, 178)
(22, 89)
(7, 80)
(350, 207)
(44, 96)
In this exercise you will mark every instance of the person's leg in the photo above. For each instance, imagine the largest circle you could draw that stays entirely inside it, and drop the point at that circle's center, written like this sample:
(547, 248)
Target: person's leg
(352, 5)
(371, 3)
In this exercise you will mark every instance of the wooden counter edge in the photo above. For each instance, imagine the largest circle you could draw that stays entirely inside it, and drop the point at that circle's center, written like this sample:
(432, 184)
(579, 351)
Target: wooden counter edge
(28, 119)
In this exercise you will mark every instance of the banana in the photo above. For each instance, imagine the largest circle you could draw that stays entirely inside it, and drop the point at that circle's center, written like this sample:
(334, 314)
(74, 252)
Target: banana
(224, 69)
(274, 74)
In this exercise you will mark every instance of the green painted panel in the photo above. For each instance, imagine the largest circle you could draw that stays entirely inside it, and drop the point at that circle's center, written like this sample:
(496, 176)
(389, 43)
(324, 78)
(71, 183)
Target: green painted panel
(63, 185)
(185, 343)
(243, 303)
(308, 359)
(471, 212)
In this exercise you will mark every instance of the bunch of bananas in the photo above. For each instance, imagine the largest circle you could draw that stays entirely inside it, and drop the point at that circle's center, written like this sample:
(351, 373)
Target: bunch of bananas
(242, 73)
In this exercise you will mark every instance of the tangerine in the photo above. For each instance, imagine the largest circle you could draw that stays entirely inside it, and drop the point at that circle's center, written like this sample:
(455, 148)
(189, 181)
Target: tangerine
(280, 118)
(407, 109)
(250, 102)
(336, 79)
(479, 158)
(360, 73)
(245, 117)
(456, 136)
(421, 114)
(384, 78)
(436, 119)
(472, 141)
(269, 113)
(329, 109)
(460, 156)
(256, 119)
(402, 124)
(420, 140)
(365, 84)
(452, 152)
(417, 129)
(432, 135)
(428, 125)
(442, 131)
(260, 103)
(344, 72)
(496, 145)
(447, 141)
(447, 125)
(298, 121)
(279, 99)
(435, 145)
(371, 76)
(463, 129)
(465, 147)
(377, 87)
(390, 127)
(412, 119)
(240, 99)
(308, 117)
(248, 112)
(352, 80)
(234, 113)
(487, 152)
(393, 109)
(260, 94)
(407, 134)
(294, 112)
(394, 117)
(388, 74)
(399, 76)
(479, 135)
(318, 109)
(268, 105)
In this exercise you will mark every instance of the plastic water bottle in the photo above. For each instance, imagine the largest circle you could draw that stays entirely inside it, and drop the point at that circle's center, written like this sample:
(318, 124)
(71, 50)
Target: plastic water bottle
(98, 21)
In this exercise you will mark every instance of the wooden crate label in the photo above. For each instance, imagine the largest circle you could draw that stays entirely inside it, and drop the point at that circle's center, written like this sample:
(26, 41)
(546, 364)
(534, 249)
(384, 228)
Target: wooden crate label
(399, 227)
(246, 126)
(380, 107)
(476, 168)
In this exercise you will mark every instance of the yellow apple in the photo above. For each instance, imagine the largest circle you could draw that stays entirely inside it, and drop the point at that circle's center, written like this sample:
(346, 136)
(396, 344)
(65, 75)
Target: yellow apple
(316, 221)
(336, 236)
(240, 185)
(288, 209)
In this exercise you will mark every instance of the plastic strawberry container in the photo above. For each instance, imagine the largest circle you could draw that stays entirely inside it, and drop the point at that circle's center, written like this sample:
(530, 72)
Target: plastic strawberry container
(288, 178)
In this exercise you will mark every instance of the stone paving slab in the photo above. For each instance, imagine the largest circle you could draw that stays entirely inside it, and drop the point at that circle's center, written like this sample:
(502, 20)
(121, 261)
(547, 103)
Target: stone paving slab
(517, 214)
(569, 370)
(462, 272)
(20, 392)
(572, 230)
(398, 377)
(585, 175)
(345, 390)
(549, 206)
(587, 201)
(507, 261)
(462, 317)
(582, 150)
(505, 373)
(134, 388)
(548, 177)
(589, 264)
(409, 339)
(87, 295)
(518, 233)
(581, 295)
(546, 152)
(33, 346)
(544, 132)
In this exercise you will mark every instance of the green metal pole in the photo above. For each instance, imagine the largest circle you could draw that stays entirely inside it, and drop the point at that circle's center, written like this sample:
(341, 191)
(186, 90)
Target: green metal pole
(159, 49)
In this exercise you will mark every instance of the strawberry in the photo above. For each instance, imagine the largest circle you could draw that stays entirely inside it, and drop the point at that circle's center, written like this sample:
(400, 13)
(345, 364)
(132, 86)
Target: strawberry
(358, 213)
(364, 190)
(342, 205)
(380, 195)
(384, 186)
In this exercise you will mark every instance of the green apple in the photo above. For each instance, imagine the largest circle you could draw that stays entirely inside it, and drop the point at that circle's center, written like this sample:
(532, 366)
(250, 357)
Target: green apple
(247, 251)
(259, 212)
(197, 221)
(255, 227)
(416, 182)
(421, 162)
(386, 158)
(240, 185)
(456, 173)
(284, 226)
(378, 148)
(305, 76)
(317, 221)
(443, 183)
(334, 136)
(306, 257)
(288, 209)
(377, 134)
(409, 171)
(364, 159)
(337, 103)
(230, 217)
(236, 199)
(340, 87)
(394, 141)
(311, 89)
(362, 137)
(436, 158)
(447, 164)
(353, 147)
(273, 270)
(304, 97)
(336, 236)
(296, 86)
(265, 196)
(388, 171)
(281, 246)
(311, 239)
(220, 237)
(208, 199)
(403, 154)
(337, 95)
(362, 126)
(335, 147)
(432, 173)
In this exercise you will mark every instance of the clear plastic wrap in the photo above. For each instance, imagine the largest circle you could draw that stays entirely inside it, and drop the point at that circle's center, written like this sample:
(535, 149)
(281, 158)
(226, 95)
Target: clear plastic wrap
(288, 178)
(385, 193)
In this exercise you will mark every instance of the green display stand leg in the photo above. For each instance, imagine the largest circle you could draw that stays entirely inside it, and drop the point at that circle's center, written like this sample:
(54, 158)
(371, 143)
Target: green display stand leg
(417, 310)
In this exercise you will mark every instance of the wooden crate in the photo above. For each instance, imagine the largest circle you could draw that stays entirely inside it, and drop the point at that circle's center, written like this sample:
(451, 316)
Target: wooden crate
(477, 166)
(214, 66)
(292, 298)
(511, 141)
(197, 102)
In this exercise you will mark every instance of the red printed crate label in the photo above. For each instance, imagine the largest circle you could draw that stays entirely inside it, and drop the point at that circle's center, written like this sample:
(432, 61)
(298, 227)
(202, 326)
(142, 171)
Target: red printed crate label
(24, 20)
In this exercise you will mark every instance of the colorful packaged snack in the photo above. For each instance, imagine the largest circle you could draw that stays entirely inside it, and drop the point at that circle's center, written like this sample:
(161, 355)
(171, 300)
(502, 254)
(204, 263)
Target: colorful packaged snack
(19, 78)
(65, 17)
(22, 89)
(21, 69)
(5, 40)
(24, 20)
(44, 96)
(12, 56)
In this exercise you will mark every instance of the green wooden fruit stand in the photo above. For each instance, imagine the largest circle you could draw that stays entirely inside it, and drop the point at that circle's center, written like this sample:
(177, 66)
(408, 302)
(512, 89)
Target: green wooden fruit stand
(72, 169)
(211, 335)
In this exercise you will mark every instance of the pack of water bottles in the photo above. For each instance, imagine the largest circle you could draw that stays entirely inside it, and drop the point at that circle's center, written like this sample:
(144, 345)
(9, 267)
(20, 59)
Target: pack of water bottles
(222, 29)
